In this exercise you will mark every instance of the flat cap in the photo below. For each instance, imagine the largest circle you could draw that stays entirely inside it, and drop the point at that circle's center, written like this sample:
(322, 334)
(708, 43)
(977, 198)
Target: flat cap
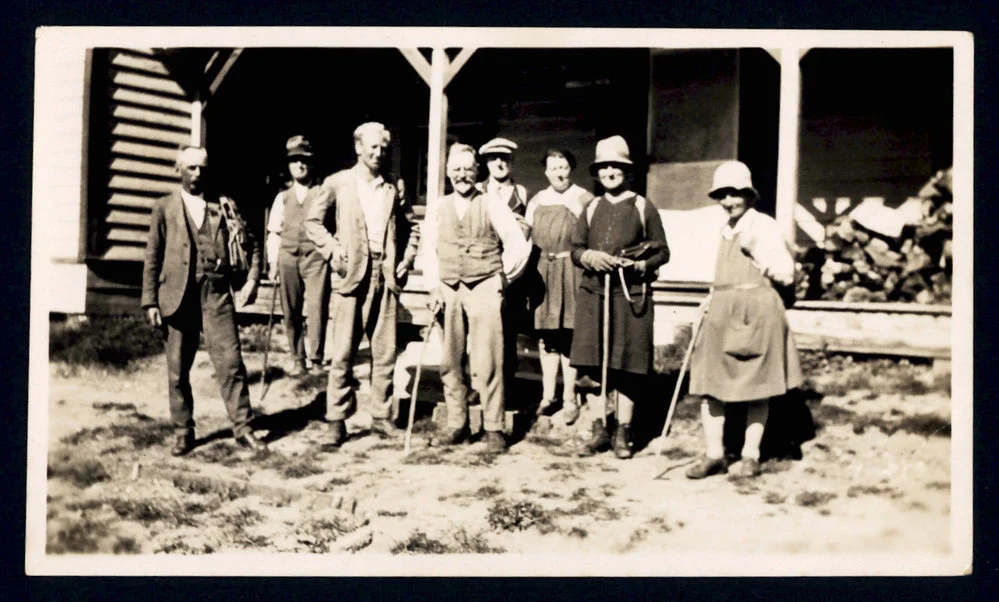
(498, 146)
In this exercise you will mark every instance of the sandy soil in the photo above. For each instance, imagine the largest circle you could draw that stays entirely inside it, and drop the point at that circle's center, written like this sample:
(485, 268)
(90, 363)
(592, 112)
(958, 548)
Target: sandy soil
(875, 478)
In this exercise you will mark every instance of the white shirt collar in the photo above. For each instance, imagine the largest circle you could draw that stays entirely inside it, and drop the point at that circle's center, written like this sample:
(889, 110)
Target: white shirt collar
(745, 223)
(617, 198)
(300, 191)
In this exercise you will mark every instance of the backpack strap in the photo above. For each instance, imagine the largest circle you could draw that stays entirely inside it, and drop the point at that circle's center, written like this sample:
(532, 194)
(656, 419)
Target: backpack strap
(640, 203)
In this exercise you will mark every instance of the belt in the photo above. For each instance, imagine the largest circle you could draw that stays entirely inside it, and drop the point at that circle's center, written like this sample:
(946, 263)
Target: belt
(746, 286)
(559, 255)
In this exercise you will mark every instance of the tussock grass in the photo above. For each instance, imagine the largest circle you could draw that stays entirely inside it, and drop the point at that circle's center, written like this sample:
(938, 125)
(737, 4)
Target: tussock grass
(812, 499)
(79, 537)
(506, 515)
(180, 545)
(318, 534)
(859, 490)
(108, 406)
(458, 541)
(114, 343)
(144, 433)
(80, 472)
(206, 486)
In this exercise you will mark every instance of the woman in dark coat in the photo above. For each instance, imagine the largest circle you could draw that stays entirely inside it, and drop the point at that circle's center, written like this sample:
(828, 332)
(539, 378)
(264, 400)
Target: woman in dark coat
(552, 215)
(617, 220)
(744, 352)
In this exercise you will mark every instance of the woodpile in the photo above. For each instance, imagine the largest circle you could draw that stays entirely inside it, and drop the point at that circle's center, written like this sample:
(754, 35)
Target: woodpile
(879, 254)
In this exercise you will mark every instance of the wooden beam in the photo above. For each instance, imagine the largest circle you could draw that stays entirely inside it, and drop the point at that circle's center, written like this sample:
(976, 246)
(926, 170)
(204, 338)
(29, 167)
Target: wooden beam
(418, 62)
(437, 133)
(456, 65)
(197, 132)
(789, 131)
(229, 62)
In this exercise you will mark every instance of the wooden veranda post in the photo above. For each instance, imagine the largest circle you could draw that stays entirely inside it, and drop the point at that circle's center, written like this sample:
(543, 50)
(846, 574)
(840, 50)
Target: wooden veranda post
(789, 132)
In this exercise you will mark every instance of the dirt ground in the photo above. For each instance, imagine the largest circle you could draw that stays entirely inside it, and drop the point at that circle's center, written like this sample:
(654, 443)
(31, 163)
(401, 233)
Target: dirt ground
(874, 478)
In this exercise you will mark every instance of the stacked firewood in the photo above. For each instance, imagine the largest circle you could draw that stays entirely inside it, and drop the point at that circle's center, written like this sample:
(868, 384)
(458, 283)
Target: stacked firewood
(879, 254)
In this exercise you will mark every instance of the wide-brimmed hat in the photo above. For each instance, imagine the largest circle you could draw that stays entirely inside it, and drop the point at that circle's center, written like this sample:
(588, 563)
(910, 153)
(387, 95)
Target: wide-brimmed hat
(732, 175)
(298, 146)
(611, 151)
(498, 146)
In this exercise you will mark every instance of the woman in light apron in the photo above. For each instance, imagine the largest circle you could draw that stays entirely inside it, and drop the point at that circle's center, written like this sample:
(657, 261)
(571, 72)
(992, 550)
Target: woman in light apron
(744, 352)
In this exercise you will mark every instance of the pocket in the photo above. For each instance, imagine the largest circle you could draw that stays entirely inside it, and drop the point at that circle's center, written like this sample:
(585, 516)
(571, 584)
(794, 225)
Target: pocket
(743, 334)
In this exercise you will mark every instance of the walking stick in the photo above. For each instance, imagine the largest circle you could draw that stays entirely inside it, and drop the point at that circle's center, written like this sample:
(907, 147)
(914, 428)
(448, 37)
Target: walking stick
(676, 390)
(267, 340)
(606, 337)
(416, 385)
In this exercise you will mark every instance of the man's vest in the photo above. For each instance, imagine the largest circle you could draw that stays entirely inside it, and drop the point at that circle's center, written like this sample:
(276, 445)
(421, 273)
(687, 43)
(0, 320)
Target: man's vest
(293, 237)
(208, 253)
(468, 249)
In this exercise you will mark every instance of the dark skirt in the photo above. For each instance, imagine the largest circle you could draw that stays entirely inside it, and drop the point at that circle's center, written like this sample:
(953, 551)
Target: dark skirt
(630, 332)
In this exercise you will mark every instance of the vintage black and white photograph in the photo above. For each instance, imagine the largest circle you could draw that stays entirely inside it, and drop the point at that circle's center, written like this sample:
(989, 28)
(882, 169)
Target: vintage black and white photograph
(348, 301)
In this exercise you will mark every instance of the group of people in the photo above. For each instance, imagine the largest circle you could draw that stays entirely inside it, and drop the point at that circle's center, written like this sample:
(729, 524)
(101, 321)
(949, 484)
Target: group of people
(572, 268)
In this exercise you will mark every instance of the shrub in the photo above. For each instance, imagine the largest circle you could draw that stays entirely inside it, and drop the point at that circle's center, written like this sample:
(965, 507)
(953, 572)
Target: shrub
(82, 473)
(518, 516)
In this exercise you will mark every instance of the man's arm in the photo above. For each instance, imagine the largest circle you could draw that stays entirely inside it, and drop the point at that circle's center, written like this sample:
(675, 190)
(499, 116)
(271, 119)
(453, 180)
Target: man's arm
(153, 262)
(428, 245)
(275, 224)
(315, 219)
(516, 249)
(406, 222)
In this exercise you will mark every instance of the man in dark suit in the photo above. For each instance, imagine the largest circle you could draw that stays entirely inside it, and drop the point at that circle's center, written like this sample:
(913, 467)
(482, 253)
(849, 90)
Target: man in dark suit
(364, 227)
(192, 258)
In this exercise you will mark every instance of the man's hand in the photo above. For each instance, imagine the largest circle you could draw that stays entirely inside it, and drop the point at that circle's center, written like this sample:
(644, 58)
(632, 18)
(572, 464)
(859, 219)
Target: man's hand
(637, 266)
(155, 318)
(401, 270)
(436, 302)
(598, 261)
(247, 294)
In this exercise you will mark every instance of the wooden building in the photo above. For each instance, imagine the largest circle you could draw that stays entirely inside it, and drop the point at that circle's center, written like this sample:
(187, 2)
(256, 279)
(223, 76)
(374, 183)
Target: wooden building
(822, 129)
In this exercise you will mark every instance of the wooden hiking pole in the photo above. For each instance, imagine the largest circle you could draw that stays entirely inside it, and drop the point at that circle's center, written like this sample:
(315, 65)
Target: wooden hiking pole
(676, 390)
(267, 340)
(606, 341)
(416, 384)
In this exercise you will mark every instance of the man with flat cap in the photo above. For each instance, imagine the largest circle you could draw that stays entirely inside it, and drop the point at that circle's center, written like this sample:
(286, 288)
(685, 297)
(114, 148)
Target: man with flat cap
(364, 227)
(498, 155)
(295, 260)
(198, 247)
(474, 249)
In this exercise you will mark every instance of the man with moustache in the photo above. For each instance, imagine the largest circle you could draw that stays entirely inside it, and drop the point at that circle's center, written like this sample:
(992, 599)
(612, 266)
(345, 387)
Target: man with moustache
(193, 257)
(295, 260)
(364, 227)
(474, 248)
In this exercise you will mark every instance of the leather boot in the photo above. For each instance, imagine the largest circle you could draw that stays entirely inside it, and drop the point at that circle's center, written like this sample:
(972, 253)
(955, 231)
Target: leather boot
(383, 428)
(599, 441)
(622, 442)
(338, 432)
(183, 444)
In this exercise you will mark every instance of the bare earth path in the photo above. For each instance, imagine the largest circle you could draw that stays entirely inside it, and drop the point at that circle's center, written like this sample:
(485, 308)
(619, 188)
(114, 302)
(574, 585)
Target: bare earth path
(876, 478)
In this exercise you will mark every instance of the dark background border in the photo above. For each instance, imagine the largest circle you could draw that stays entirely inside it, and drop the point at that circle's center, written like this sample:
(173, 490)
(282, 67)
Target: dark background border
(17, 25)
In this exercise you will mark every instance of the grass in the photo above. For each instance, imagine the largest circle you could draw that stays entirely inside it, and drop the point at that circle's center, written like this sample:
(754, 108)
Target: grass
(145, 433)
(180, 545)
(458, 541)
(216, 453)
(318, 534)
(108, 406)
(81, 473)
(506, 515)
(813, 499)
(772, 497)
(205, 486)
(79, 537)
(109, 342)
(427, 457)
(330, 485)
(859, 490)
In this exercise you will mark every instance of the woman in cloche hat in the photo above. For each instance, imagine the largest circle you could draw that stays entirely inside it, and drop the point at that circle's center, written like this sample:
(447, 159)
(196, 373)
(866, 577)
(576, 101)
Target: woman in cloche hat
(617, 220)
(745, 352)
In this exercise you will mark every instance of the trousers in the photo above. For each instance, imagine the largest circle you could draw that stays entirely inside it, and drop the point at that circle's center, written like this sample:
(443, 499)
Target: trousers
(370, 311)
(207, 307)
(305, 285)
(473, 314)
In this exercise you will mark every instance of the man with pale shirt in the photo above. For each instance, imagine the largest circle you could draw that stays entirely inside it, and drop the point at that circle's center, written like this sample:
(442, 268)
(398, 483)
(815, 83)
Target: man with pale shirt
(194, 257)
(295, 261)
(474, 248)
(364, 228)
